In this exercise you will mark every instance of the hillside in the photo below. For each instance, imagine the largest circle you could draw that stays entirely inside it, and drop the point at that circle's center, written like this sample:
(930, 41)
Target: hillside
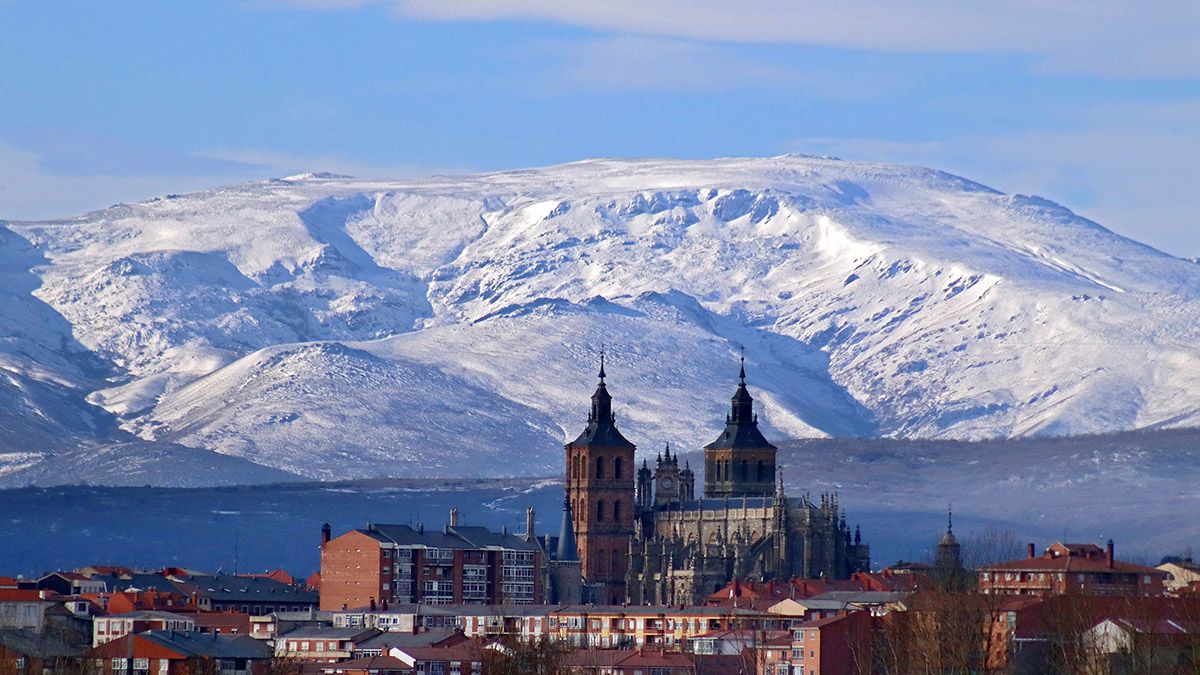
(338, 328)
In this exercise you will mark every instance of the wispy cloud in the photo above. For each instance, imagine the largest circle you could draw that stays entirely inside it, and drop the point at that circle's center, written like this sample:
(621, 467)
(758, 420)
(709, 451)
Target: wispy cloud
(641, 63)
(1105, 37)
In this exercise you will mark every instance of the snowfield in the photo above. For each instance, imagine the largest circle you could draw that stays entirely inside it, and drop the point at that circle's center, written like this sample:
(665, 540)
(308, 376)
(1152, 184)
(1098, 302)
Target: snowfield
(329, 327)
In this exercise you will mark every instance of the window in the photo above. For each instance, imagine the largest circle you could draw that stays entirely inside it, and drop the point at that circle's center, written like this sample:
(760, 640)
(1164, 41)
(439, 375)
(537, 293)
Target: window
(760, 473)
(617, 468)
(617, 516)
(599, 467)
(600, 511)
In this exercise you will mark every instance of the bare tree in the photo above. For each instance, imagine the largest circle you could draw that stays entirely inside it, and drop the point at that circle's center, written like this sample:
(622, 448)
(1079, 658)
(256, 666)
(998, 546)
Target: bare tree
(542, 656)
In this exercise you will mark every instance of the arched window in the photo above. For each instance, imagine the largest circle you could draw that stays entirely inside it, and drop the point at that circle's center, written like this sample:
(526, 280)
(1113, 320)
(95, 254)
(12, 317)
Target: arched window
(617, 468)
(617, 511)
(617, 568)
(744, 470)
(600, 511)
(599, 467)
(575, 467)
(761, 474)
(601, 562)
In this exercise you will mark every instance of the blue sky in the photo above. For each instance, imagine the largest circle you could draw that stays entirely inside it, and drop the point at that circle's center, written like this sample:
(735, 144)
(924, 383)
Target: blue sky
(1095, 105)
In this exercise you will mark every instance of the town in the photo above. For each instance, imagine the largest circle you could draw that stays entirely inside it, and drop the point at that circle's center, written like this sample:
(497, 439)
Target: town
(642, 578)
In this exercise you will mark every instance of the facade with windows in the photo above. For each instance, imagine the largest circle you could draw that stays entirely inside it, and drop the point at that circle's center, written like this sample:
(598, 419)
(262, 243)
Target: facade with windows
(1071, 568)
(386, 565)
(181, 653)
(645, 537)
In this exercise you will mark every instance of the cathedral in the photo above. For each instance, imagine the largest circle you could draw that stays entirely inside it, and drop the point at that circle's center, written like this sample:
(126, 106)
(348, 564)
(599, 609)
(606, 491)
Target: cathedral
(643, 537)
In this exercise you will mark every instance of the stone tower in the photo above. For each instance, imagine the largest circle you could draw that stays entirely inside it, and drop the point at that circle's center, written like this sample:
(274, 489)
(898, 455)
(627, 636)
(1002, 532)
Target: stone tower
(600, 489)
(668, 485)
(740, 463)
(949, 553)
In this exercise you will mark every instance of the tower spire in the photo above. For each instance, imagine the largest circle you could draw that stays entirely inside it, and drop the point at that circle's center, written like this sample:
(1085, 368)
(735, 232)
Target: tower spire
(601, 365)
(567, 548)
(742, 371)
(950, 519)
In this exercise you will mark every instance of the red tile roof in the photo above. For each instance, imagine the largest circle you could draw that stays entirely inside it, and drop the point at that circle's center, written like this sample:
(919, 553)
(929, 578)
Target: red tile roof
(19, 595)
(646, 658)
(1070, 564)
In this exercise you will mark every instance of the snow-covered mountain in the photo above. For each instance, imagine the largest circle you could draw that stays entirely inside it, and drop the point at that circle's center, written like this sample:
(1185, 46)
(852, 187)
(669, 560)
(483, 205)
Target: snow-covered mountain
(333, 327)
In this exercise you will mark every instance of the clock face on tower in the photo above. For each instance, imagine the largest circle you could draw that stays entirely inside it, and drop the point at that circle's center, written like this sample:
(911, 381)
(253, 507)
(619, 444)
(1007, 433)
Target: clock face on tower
(667, 483)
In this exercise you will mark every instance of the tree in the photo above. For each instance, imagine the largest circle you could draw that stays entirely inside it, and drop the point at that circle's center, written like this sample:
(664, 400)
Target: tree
(542, 656)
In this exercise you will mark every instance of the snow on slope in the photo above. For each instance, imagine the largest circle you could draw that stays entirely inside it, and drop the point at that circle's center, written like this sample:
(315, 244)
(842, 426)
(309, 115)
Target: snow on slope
(336, 327)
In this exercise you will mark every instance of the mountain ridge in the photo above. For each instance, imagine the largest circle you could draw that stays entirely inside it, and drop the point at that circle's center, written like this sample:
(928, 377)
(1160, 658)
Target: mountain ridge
(872, 300)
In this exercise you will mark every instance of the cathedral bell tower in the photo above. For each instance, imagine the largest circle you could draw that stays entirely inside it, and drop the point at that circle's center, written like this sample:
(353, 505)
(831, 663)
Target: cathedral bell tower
(740, 463)
(600, 488)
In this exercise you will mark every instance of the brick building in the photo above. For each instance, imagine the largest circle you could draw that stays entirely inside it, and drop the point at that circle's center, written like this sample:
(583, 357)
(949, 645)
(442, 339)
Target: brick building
(1071, 568)
(397, 564)
(109, 628)
(600, 496)
(836, 645)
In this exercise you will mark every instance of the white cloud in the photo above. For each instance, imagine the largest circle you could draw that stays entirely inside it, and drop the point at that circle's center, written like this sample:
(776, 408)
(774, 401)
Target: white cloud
(1102, 37)
(654, 65)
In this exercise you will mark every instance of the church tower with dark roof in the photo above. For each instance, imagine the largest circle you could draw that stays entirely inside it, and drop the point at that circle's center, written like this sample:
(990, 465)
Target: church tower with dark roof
(600, 490)
(741, 462)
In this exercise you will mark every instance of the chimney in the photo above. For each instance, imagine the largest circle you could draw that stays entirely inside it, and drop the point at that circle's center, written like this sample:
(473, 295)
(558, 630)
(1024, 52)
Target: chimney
(326, 531)
(453, 517)
(1109, 554)
(1031, 550)
(372, 604)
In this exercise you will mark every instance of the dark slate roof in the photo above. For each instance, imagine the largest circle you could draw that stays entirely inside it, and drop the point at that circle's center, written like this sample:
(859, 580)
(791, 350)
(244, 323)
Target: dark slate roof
(566, 548)
(37, 645)
(411, 536)
(485, 538)
(743, 434)
(602, 434)
(733, 503)
(329, 633)
(741, 425)
(193, 643)
(230, 588)
(462, 537)
(402, 639)
(141, 582)
(601, 430)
